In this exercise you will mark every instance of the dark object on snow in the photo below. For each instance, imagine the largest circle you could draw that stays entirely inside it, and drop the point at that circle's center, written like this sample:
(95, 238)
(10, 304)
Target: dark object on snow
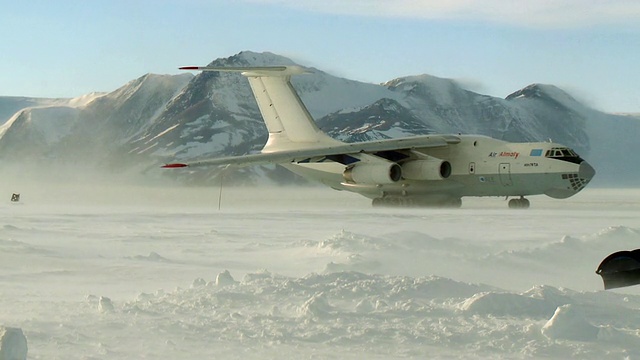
(15, 197)
(620, 269)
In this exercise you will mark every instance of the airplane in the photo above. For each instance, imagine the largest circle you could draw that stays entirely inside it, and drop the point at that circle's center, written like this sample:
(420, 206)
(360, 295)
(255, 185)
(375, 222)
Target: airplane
(427, 171)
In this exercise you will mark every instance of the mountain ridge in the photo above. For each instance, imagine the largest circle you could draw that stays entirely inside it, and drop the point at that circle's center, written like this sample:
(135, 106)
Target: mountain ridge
(164, 118)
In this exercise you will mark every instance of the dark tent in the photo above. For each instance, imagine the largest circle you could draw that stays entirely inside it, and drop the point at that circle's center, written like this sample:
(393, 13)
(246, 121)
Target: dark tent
(620, 269)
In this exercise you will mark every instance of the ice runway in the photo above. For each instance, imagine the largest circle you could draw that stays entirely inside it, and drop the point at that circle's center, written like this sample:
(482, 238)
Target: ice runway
(106, 273)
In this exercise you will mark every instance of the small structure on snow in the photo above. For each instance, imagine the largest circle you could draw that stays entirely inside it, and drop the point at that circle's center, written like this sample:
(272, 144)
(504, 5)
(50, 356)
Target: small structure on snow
(15, 197)
(13, 344)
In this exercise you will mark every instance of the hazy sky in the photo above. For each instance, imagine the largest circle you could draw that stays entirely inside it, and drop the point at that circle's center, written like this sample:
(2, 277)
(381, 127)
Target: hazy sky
(590, 48)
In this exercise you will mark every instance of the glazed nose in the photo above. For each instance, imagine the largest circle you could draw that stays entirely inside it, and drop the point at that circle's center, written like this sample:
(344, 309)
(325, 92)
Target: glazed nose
(586, 171)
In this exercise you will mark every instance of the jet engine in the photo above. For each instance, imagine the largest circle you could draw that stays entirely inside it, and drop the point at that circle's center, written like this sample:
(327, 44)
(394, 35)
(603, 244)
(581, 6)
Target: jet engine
(386, 173)
(426, 169)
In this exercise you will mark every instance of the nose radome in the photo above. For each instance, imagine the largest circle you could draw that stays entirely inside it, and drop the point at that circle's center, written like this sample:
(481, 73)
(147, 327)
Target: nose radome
(586, 171)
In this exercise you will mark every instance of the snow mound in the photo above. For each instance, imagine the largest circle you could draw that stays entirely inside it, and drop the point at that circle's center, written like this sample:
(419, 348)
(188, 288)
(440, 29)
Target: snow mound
(584, 253)
(105, 305)
(355, 262)
(346, 241)
(555, 250)
(13, 344)
(224, 278)
(568, 323)
(506, 304)
(608, 239)
(198, 282)
(550, 294)
(380, 314)
(390, 316)
(617, 233)
(354, 284)
(153, 256)
(316, 306)
(395, 253)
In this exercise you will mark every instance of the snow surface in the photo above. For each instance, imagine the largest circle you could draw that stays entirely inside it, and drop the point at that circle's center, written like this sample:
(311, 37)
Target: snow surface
(105, 272)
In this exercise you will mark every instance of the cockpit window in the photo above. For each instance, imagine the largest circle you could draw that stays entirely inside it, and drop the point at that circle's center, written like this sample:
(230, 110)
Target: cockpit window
(561, 153)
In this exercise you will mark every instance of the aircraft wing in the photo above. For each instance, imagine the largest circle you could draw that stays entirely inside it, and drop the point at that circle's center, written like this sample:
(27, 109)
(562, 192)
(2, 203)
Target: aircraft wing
(300, 155)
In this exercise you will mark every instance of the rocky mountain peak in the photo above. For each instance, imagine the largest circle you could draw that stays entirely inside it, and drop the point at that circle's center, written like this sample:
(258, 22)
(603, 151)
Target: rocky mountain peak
(546, 93)
(250, 58)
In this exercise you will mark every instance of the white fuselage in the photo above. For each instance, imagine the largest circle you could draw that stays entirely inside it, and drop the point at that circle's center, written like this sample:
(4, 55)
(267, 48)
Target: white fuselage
(480, 166)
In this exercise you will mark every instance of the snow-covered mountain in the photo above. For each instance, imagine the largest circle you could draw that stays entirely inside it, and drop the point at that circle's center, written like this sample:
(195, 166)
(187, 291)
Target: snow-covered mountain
(87, 130)
(162, 118)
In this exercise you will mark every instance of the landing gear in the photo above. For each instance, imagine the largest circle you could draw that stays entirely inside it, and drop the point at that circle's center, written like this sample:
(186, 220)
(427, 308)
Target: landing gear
(393, 201)
(454, 203)
(409, 201)
(521, 203)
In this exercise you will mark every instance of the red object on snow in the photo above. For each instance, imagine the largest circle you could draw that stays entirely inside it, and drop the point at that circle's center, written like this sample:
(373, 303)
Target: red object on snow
(175, 165)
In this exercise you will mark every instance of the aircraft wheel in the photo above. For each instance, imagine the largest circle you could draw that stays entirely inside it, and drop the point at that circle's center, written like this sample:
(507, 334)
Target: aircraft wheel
(405, 202)
(521, 203)
(456, 203)
(394, 201)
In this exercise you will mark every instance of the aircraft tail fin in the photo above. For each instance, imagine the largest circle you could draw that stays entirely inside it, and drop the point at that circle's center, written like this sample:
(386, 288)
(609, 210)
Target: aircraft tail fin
(287, 119)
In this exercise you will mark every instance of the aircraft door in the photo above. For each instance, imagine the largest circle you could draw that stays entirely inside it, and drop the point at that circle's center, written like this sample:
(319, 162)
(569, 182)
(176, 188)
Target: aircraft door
(504, 169)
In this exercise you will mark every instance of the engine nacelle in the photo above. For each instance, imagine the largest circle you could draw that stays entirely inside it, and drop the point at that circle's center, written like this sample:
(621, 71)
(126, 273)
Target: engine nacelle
(426, 169)
(373, 173)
